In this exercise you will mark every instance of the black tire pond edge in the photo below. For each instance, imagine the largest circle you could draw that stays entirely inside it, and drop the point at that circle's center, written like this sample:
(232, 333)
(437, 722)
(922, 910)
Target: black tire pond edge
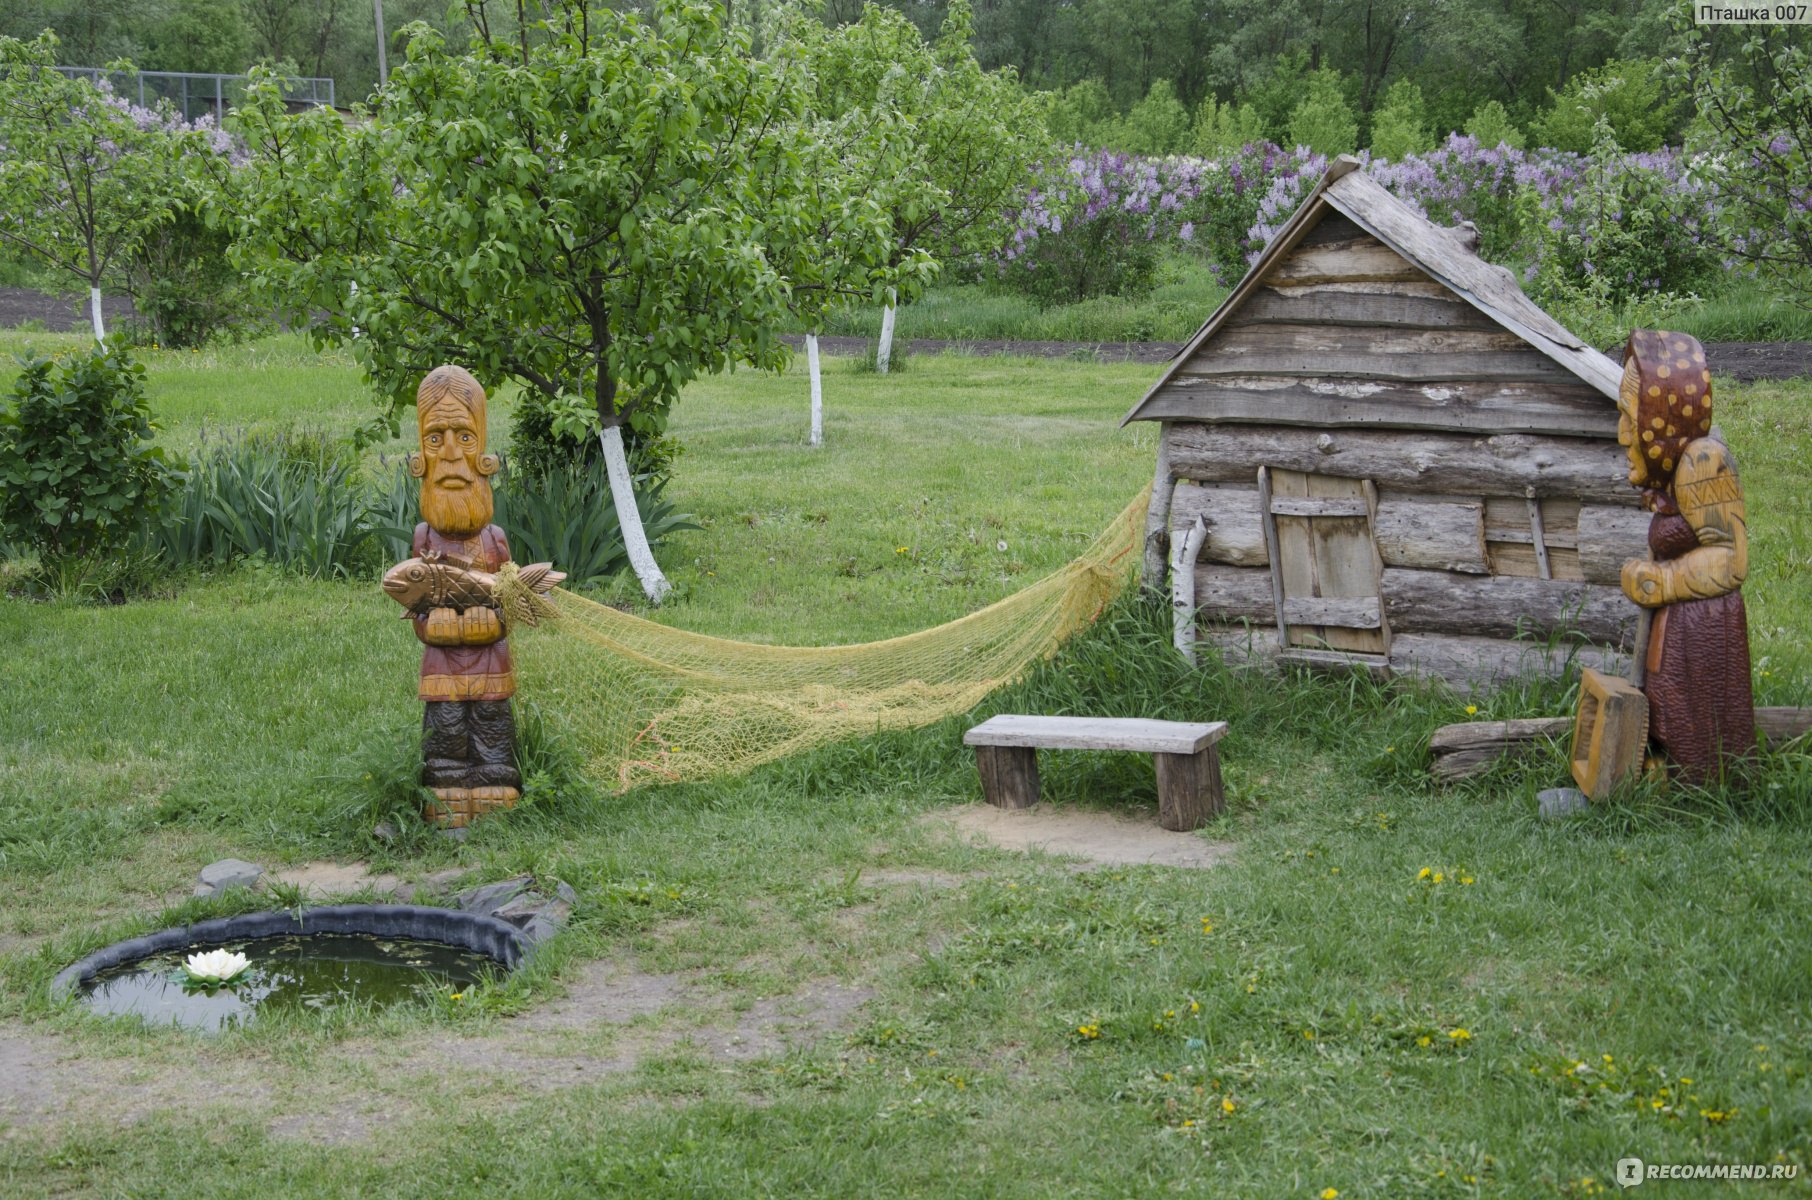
(481, 934)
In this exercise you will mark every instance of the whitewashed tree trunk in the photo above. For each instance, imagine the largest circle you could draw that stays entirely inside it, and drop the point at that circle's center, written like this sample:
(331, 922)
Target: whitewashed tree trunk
(884, 351)
(94, 314)
(811, 363)
(629, 517)
(1185, 548)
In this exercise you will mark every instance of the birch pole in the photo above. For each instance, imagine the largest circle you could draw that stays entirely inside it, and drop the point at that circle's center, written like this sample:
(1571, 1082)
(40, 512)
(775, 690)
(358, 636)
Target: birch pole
(94, 314)
(1185, 548)
(629, 517)
(811, 363)
(884, 351)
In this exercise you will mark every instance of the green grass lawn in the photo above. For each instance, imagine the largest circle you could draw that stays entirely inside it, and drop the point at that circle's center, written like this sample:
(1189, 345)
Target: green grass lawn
(1313, 1014)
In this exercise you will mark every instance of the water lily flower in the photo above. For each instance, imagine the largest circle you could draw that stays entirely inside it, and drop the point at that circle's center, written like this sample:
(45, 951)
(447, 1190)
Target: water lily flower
(214, 966)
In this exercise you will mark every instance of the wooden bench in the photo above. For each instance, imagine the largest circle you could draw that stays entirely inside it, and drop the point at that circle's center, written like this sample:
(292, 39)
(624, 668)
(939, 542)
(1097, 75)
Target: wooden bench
(1188, 766)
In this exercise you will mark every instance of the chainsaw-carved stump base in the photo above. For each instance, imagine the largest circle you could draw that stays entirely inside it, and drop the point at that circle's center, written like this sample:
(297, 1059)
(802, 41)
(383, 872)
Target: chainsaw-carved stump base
(1189, 789)
(1009, 775)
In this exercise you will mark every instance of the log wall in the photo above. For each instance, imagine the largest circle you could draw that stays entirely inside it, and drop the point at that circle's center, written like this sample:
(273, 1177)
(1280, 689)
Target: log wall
(1493, 486)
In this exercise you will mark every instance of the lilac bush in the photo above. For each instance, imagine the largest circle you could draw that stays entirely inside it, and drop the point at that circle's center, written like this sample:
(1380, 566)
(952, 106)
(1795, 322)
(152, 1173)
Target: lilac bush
(1629, 225)
(1093, 223)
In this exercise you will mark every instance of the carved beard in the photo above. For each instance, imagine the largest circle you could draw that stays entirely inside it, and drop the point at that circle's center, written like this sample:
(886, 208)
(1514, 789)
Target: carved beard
(457, 512)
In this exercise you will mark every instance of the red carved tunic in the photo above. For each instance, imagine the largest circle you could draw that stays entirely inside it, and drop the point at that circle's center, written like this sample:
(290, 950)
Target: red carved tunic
(465, 672)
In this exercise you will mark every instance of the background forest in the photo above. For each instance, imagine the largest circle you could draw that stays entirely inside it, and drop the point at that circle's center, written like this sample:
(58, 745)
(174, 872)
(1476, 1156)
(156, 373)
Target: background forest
(1146, 76)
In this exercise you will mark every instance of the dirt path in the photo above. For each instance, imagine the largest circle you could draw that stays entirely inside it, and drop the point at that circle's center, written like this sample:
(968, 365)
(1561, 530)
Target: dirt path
(1743, 361)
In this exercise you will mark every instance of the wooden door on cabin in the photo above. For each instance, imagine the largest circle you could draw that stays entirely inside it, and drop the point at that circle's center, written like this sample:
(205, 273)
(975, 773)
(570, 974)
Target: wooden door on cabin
(1325, 566)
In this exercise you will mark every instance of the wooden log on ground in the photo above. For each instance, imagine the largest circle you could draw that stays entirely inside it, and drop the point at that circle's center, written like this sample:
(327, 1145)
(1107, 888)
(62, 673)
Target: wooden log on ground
(1504, 464)
(1778, 726)
(1471, 748)
(1461, 751)
(1446, 602)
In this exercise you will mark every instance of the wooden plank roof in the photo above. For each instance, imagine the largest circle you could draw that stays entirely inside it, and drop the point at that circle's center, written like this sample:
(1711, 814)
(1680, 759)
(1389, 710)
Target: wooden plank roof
(1437, 251)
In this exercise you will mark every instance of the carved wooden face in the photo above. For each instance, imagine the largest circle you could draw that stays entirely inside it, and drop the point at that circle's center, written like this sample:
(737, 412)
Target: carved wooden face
(456, 496)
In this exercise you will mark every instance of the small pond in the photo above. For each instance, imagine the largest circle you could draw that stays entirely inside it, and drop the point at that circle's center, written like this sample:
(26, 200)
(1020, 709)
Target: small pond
(289, 973)
(364, 955)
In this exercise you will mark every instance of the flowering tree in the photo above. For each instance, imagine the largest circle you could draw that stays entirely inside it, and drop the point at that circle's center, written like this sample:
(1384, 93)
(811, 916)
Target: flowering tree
(84, 176)
(603, 208)
(1757, 105)
(1094, 223)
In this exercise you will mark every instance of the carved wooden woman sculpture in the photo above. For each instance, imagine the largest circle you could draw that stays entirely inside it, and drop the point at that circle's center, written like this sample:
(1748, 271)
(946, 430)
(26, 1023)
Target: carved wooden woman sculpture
(1698, 688)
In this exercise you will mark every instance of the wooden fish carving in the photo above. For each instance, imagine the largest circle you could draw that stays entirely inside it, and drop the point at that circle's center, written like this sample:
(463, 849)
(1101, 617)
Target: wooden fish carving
(441, 581)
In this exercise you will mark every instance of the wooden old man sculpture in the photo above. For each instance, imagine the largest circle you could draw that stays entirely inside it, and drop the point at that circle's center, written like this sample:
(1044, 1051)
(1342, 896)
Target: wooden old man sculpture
(454, 592)
(1697, 678)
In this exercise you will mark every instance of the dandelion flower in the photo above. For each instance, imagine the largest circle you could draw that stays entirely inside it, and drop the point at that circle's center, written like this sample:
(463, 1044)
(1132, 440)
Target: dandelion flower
(1330, 1194)
(1472, 710)
(1227, 1105)
(1460, 1035)
(1424, 873)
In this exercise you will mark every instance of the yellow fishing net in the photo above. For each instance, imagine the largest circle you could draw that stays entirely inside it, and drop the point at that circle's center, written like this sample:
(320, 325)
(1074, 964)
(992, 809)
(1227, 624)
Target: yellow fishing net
(648, 702)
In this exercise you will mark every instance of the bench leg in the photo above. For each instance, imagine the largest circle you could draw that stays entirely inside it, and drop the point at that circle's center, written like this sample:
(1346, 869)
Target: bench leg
(1189, 788)
(1009, 775)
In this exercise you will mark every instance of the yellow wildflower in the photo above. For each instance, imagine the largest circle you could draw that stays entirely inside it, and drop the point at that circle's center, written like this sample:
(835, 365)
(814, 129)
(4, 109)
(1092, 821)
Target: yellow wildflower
(1460, 1035)
(1440, 877)
(1089, 1031)
(1472, 710)
(1227, 1105)
(1425, 1040)
(1330, 1194)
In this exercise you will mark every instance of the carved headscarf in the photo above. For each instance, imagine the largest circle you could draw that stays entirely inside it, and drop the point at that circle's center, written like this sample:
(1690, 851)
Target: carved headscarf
(1666, 395)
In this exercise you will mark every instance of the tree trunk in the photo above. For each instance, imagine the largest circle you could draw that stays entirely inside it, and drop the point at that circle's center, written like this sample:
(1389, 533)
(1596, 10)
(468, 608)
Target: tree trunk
(884, 351)
(811, 362)
(629, 517)
(94, 314)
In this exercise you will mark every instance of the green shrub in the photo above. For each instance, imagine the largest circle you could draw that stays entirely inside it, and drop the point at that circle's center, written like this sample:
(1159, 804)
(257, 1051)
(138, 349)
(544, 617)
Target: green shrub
(1223, 129)
(1400, 126)
(1622, 237)
(184, 289)
(1323, 121)
(1158, 124)
(1629, 94)
(1490, 126)
(538, 448)
(79, 473)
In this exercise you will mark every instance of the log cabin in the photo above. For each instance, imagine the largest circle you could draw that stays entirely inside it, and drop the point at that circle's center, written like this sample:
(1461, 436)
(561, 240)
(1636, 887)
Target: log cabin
(1398, 461)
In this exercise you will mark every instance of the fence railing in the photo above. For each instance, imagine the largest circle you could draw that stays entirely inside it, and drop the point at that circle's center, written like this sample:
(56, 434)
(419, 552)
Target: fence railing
(193, 93)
